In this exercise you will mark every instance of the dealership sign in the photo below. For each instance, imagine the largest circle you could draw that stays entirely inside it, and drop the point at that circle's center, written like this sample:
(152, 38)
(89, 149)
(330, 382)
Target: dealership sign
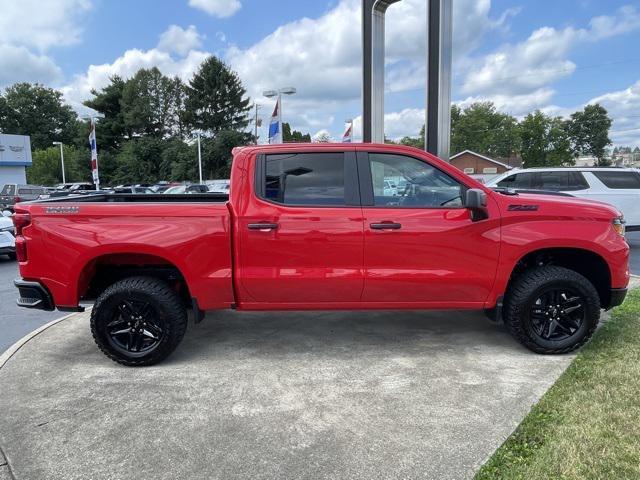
(15, 150)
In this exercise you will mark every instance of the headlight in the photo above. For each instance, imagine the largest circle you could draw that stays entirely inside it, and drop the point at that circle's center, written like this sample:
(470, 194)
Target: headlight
(619, 225)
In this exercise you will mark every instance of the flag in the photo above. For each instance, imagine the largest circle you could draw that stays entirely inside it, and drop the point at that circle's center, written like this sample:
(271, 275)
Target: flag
(348, 133)
(275, 125)
(94, 154)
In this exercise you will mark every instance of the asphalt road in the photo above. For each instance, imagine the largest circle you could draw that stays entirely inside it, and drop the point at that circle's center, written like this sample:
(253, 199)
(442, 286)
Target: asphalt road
(16, 322)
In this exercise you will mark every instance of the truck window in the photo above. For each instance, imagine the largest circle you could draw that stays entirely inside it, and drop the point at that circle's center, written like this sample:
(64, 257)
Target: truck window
(422, 184)
(619, 180)
(305, 179)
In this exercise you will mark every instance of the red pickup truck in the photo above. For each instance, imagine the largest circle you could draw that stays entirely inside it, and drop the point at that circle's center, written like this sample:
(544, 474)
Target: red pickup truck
(318, 227)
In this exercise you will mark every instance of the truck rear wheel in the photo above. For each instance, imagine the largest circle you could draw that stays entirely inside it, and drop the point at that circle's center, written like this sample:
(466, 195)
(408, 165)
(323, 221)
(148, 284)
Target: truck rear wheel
(552, 310)
(138, 321)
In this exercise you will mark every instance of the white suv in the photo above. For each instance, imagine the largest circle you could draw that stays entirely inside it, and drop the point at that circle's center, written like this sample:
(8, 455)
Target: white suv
(619, 187)
(7, 238)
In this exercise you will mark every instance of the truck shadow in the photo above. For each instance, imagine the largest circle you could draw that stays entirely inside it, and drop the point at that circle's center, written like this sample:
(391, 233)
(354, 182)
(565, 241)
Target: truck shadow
(328, 334)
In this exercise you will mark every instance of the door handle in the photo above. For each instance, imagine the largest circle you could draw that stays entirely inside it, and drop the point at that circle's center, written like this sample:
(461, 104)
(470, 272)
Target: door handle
(264, 227)
(386, 226)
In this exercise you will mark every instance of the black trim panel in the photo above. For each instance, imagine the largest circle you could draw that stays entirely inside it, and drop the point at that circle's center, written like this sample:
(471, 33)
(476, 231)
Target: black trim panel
(33, 295)
(617, 297)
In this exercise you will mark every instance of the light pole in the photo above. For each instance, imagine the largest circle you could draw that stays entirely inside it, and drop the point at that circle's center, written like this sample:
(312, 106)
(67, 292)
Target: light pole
(199, 158)
(279, 93)
(256, 121)
(64, 180)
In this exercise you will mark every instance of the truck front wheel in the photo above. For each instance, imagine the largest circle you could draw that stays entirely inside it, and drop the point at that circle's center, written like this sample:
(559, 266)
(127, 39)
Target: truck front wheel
(138, 321)
(552, 310)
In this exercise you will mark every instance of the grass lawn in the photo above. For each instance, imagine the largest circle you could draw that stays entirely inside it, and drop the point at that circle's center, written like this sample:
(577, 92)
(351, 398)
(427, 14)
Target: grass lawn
(587, 426)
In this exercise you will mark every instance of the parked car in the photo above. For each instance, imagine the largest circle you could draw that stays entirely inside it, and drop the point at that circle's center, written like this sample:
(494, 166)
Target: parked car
(7, 236)
(219, 186)
(619, 187)
(304, 229)
(185, 189)
(133, 189)
(13, 193)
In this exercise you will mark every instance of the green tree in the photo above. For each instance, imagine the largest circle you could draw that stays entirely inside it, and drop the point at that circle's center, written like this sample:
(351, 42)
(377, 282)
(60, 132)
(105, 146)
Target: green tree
(112, 130)
(37, 111)
(216, 99)
(589, 132)
(482, 129)
(294, 136)
(417, 142)
(138, 161)
(217, 152)
(545, 141)
(47, 167)
(151, 104)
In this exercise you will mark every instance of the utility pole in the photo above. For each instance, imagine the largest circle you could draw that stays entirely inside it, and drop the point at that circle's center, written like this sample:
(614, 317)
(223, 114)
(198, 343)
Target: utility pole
(199, 158)
(256, 121)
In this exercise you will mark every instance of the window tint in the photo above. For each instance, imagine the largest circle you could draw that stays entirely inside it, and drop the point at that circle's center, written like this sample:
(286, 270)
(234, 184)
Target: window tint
(8, 190)
(418, 184)
(561, 181)
(619, 180)
(519, 180)
(305, 179)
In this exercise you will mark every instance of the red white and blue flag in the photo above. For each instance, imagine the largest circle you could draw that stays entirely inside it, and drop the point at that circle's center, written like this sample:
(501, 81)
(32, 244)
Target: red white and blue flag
(275, 125)
(348, 133)
(94, 154)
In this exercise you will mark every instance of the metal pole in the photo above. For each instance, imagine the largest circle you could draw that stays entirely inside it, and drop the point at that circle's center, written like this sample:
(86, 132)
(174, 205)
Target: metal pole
(438, 97)
(199, 158)
(373, 25)
(280, 117)
(64, 180)
(255, 121)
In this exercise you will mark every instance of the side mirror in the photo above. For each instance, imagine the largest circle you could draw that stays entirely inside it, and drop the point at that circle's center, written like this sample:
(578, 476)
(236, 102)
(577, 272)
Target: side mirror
(476, 201)
(6, 213)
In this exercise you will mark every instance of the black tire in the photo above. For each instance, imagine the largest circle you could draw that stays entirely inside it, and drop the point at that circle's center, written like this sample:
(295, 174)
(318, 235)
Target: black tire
(138, 321)
(534, 318)
(12, 256)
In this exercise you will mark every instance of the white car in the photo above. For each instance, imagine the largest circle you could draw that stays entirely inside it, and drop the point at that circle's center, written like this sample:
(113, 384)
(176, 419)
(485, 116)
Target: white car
(7, 238)
(619, 187)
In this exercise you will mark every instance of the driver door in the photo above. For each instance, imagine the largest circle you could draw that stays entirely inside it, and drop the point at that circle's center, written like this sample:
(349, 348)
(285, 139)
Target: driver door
(421, 247)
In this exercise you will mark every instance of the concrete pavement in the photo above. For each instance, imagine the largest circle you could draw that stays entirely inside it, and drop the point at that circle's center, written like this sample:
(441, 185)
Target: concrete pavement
(254, 395)
(16, 322)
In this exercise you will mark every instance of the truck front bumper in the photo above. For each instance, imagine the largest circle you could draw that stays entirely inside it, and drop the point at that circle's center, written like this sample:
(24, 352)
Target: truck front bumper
(33, 295)
(617, 296)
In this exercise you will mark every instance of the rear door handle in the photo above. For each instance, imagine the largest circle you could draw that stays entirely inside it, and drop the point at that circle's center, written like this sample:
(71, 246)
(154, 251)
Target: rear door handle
(264, 227)
(386, 226)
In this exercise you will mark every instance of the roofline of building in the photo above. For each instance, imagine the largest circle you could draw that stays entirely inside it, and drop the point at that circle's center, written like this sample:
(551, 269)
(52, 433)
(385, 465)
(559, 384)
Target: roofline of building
(508, 167)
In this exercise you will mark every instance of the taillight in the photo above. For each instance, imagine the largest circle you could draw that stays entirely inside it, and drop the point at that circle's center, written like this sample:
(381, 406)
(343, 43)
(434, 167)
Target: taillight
(17, 199)
(21, 249)
(21, 220)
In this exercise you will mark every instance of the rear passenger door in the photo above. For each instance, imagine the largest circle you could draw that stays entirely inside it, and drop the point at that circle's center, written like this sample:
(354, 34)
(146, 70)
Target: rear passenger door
(300, 237)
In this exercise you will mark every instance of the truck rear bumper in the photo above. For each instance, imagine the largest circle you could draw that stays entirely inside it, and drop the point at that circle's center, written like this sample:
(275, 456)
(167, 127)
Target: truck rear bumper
(33, 295)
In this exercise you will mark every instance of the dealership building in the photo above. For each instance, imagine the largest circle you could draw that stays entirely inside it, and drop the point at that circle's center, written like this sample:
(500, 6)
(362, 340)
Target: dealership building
(15, 157)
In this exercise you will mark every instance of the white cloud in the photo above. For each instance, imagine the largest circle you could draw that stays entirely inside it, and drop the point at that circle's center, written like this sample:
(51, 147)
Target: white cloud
(97, 76)
(17, 64)
(217, 8)
(42, 24)
(623, 106)
(179, 40)
(516, 73)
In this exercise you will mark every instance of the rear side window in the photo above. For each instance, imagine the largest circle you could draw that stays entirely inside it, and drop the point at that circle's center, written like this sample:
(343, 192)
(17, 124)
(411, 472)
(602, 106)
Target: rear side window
(519, 180)
(8, 190)
(619, 180)
(561, 181)
(305, 179)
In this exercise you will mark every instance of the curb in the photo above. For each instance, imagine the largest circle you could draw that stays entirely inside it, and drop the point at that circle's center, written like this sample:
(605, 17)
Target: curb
(13, 349)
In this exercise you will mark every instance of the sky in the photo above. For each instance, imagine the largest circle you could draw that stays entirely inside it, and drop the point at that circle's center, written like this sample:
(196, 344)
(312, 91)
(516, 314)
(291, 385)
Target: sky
(523, 55)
